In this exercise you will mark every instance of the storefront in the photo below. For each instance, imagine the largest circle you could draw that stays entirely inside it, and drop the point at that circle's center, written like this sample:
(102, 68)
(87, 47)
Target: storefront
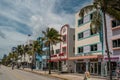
(88, 63)
(114, 64)
(95, 67)
(80, 67)
(54, 65)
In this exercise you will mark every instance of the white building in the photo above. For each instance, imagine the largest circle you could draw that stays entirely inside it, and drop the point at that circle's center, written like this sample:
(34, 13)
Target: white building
(65, 50)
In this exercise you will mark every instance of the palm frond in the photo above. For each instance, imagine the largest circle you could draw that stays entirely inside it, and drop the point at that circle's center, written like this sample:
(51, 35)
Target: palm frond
(114, 13)
(96, 22)
(86, 10)
(44, 33)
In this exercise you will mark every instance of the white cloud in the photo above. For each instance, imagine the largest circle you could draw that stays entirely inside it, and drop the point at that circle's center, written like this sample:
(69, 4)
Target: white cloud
(12, 39)
(38, 14)
(45, 17)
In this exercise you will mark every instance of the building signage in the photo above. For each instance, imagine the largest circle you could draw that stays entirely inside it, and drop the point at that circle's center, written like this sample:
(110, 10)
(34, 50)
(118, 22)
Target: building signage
(112, 59)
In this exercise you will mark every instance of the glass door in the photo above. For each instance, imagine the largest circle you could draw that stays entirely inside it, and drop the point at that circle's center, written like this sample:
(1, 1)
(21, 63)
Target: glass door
(94, 68)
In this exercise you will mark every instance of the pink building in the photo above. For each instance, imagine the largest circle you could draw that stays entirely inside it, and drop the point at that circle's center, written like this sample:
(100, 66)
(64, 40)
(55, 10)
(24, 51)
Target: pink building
(113, 30)
(64, 50)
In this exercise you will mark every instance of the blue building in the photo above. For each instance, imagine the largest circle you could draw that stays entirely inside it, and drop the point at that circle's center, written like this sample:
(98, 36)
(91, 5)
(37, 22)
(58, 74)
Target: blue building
(38, 61)
(41, 59)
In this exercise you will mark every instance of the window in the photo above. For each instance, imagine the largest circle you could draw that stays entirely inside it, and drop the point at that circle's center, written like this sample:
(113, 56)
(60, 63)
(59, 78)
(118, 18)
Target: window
(92, 32)
(64, 29)
(64, 49)
(52, 51)
(115, 23)
(73, 37)
(116, 43)
(64, 38)
(64, 62)
(73, 49)
(80, 50)
(57, 51)
(80, 35)
(94, 47)
(91, 16)
(80, 21)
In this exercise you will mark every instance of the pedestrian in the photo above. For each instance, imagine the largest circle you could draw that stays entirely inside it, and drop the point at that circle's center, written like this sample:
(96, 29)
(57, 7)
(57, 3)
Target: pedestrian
(118, 73)
(87, 76)
(12, 66)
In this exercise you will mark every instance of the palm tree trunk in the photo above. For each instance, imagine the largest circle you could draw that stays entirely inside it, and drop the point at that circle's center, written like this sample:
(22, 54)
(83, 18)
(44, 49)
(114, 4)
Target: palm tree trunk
(107, 48)
(49, 66)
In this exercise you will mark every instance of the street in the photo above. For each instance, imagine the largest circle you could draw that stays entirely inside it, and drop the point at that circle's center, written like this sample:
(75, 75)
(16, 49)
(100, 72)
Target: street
(6, 73)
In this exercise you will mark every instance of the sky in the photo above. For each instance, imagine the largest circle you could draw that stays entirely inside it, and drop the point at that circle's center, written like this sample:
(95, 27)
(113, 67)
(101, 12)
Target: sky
(18, 18)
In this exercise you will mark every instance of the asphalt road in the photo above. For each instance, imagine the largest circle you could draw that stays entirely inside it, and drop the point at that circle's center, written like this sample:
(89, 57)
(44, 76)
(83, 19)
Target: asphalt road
(7, 73)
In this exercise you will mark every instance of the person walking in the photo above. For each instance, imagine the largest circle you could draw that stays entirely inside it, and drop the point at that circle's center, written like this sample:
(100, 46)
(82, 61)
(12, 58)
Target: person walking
(118, 73)
(12, 66)
(87, 76)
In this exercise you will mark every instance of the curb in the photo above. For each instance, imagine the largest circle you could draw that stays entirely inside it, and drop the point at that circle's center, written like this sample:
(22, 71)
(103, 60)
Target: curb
(46, 75)
(100, 77)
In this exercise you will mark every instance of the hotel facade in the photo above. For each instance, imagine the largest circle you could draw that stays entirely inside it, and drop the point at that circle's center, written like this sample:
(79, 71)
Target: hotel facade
(88, 47)
(82, 50)
(65, 49)
(113, 34)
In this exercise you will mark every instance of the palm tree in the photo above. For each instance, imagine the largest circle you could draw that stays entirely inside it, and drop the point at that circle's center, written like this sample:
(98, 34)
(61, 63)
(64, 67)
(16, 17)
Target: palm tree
(51, 36)
(34, 48)
(37, 48)
(23, 50)
(110, 7)
(14, 56)
(20, 51)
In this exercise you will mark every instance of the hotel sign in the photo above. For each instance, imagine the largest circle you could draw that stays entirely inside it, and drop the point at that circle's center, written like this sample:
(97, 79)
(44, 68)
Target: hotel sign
(112, 59)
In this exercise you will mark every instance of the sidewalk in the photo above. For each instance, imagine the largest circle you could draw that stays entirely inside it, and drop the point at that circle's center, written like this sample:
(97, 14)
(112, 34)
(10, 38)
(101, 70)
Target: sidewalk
(64, 76)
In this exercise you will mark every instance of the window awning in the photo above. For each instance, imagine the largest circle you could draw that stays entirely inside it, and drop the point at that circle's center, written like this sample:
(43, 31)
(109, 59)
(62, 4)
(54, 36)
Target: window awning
(85, 57)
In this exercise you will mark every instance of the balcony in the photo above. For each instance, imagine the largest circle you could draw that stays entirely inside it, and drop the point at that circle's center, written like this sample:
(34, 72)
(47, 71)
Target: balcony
(115, 28)
(116, 48)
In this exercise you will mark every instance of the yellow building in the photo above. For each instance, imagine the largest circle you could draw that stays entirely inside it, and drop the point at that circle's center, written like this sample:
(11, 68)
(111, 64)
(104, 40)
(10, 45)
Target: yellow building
(88, 46)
